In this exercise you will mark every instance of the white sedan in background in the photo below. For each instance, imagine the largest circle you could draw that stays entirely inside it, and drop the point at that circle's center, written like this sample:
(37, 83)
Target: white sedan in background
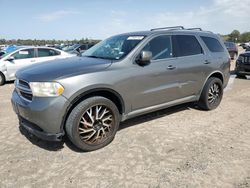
(22, 56)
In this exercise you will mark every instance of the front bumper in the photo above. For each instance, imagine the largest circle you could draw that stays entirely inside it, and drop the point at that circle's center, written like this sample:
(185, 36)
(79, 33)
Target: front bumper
(42, 117)
(242, 68)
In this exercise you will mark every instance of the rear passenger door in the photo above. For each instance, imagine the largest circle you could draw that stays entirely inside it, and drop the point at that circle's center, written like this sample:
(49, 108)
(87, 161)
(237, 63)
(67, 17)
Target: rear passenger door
(190, 60)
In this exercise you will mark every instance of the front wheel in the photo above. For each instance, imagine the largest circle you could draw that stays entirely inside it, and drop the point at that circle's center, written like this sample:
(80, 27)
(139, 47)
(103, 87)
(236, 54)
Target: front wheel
(211, 94)
(93, 123)
(2, 79)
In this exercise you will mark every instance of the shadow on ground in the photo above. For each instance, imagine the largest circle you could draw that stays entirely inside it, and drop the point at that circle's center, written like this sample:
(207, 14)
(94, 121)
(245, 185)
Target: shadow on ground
(56, 146)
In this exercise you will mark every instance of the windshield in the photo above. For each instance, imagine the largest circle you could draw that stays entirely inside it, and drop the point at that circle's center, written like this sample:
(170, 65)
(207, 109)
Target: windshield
(229, 44)
(70, 48)
(9, 52)
(114, 48)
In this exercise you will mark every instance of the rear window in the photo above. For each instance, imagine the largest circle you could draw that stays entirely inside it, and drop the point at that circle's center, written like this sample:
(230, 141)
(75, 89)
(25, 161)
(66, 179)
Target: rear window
(229, 44)
(186, 45)
(213, 44)
(45, 52)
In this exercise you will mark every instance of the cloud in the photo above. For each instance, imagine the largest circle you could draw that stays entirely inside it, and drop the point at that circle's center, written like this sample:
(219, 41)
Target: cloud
(222, 16)
(57, 15)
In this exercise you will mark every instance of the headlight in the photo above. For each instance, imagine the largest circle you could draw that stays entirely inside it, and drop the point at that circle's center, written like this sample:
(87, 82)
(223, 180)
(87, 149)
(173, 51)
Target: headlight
(46, 89)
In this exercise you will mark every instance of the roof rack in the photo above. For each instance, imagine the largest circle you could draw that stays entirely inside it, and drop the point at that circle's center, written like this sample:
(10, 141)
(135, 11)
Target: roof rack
(163, 28)
(180, 28)
(195, 28)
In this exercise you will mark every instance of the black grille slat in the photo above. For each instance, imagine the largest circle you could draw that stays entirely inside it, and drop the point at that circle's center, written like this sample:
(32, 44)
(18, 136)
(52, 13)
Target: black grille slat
(23, 84)
(24, 90)
(26, 95)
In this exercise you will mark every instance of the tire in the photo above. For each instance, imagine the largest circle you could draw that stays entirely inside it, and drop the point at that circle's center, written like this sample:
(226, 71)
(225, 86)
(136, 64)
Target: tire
(2, 79)
(241, 76)
(93, 123)
(211, 95)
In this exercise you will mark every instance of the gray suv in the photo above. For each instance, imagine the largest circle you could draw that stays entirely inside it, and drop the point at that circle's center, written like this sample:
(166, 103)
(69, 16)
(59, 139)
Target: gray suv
(121, 77)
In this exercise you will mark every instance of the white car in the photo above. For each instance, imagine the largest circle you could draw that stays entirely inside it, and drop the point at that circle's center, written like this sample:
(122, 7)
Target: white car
(20, 57)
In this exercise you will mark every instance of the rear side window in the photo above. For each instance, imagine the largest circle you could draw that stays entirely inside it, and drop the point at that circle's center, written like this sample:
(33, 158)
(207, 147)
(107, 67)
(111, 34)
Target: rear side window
(213, 44)
(160, 47)
(24, 54)
(43, 52)
(186, 45)
(83, 47)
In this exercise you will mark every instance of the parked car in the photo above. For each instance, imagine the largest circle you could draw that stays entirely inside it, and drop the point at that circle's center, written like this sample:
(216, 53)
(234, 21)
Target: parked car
(21, 56)
(245, 45)
(232, 49)
(1, 53)
(242, 67)
(119, 78)
(77, 48)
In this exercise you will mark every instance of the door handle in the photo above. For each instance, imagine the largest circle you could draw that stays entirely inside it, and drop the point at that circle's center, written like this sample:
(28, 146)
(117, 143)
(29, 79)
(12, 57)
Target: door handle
(207, 62)
(171, 67)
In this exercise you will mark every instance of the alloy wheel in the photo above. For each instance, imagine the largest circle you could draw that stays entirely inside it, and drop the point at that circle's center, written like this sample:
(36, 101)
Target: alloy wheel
(96, 125)
(214, 93)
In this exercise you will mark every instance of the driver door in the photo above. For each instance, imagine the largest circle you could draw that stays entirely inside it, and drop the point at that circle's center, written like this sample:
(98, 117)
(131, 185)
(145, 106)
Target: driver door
(22, 58)
(158, 82)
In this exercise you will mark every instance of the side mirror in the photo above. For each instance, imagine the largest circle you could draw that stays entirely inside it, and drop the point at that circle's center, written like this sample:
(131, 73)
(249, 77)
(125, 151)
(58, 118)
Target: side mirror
(144, 58)
(11, 59)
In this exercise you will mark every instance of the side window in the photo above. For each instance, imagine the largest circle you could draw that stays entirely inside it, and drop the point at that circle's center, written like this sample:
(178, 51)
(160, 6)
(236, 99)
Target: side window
(44, 52)
(186, 45)
(24, 54)
(160, 47)
(213, 44)
(83, 47)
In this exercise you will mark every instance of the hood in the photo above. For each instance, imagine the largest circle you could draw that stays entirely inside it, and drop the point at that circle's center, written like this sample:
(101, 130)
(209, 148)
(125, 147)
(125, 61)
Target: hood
(245, 54)
(63, 68)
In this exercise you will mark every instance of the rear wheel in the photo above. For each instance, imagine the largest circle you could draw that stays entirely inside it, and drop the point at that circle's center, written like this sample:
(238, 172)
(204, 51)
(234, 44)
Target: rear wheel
(93, 123)
(211, 95)
(2, 79)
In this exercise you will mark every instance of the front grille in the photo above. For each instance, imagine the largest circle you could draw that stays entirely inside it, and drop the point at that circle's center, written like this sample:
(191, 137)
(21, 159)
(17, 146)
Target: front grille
(23, 89)
(246, 59)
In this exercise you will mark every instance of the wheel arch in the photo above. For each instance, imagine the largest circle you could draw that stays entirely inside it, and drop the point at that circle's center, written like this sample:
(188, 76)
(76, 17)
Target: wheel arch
(216, 74)
(110, 94)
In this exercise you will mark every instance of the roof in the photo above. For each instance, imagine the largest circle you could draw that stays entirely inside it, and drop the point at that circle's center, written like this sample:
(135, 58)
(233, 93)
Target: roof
(177, 29)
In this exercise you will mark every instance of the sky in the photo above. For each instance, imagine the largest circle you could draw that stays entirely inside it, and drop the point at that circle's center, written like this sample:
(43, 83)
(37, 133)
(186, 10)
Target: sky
(99, 19)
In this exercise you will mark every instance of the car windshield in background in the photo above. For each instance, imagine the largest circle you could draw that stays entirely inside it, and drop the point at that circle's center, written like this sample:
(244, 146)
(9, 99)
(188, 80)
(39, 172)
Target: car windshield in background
(9, 52)
(70, 48)
(229, 44)
(114, 48)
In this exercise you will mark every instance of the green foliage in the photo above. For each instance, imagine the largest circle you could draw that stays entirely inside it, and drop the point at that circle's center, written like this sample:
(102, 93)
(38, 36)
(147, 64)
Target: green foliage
(245, 37)
(236, 36)
(37, 42)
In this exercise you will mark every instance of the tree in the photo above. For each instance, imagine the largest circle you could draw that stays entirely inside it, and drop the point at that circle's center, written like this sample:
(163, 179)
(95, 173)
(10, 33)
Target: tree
(245, 37)
(234, 36)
